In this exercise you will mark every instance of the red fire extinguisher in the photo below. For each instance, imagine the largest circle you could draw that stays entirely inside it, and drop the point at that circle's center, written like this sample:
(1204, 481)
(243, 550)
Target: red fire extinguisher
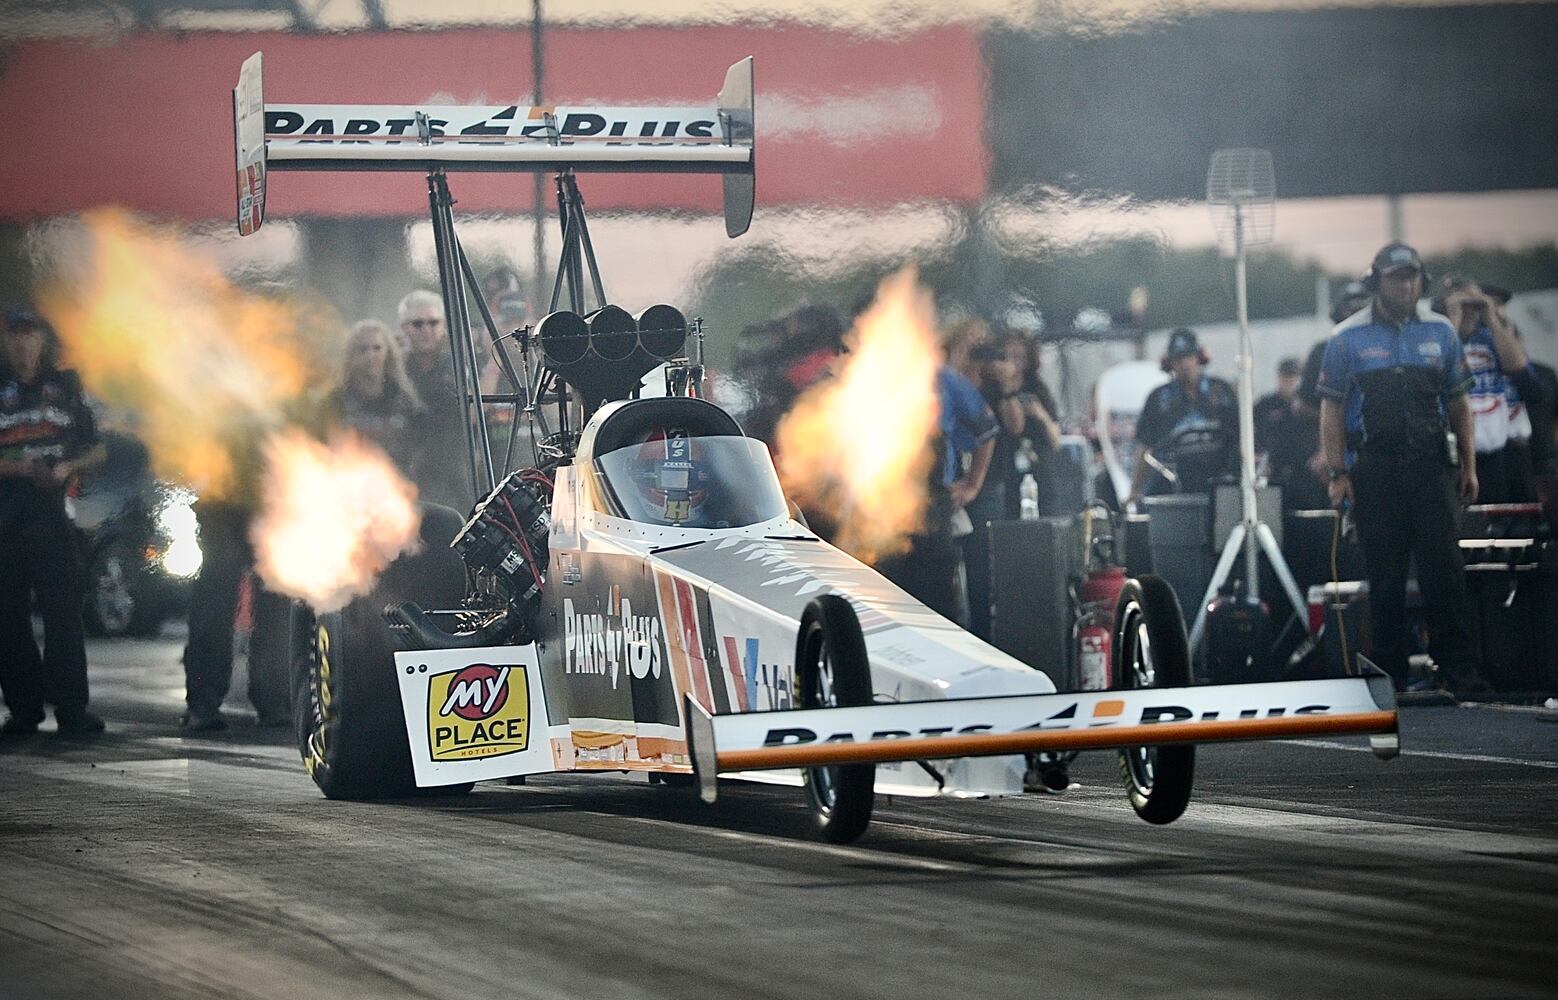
(1093, 628)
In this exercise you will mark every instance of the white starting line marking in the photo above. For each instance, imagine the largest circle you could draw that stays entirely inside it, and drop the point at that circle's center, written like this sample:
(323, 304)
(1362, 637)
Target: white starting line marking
(1477, 758)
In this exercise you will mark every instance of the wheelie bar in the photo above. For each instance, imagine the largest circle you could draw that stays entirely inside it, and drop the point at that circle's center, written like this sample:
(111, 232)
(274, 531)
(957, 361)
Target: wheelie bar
(982, 727)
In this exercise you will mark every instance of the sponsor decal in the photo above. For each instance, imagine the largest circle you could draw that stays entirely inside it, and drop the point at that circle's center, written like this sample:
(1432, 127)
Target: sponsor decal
(611, 644)
(347, 126)
(1429, 349)
(478, 711)
(765, 686)
(1374, 354)
(1107, 712)
(568, 569)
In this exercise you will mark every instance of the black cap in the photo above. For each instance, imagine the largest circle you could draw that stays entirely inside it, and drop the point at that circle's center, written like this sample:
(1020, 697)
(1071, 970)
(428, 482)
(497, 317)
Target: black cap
(1498, 293)
(1394, 257)
(1289, 367)
(1182, 342)
(25, 318)
(1353, 296)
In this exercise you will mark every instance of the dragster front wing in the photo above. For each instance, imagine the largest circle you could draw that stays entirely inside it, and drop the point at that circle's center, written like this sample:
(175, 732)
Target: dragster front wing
(477, 714)
(981, 727)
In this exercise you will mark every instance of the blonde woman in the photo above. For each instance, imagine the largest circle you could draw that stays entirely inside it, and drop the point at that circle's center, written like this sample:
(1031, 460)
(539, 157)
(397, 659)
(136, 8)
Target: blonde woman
(374, 396)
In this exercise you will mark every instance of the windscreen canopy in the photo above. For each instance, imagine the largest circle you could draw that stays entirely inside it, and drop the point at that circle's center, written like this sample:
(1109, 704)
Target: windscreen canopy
(691, 482)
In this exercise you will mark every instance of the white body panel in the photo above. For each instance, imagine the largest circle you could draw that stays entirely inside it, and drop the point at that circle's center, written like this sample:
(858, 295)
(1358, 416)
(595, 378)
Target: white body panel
(465, 723)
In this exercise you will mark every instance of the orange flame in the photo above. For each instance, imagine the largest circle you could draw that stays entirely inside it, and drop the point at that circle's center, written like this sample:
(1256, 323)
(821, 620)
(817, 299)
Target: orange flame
(334, 516)
(157, 330)
(857, 446)
(212, 374)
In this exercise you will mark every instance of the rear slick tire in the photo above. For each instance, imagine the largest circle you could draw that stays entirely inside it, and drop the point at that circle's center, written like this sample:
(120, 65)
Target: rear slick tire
(1151, 651)
(833, 670)
(350, 728)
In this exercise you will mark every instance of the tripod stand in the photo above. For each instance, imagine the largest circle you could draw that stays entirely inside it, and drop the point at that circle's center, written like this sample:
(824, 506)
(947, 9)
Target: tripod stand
(1236, 180)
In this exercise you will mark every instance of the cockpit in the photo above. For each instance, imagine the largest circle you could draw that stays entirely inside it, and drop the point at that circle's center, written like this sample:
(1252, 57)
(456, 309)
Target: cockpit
(683, 463)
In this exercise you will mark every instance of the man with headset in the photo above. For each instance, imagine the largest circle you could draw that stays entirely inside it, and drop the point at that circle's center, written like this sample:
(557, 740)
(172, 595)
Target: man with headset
(1192, 421)
(1392, 383)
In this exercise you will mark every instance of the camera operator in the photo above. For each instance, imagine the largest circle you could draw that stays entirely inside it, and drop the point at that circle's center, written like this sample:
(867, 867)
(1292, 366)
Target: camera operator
(1393, 381)
(47, 437)
(1501, 379)
(1536, 408)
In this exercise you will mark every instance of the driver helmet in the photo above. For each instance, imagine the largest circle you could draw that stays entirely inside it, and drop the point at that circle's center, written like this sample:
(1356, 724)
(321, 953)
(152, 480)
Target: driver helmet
(673, 476)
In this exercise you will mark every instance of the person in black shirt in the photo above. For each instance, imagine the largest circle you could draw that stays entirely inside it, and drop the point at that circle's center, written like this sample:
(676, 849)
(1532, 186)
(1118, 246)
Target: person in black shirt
(374, 396)
(1191, 423)
(1038, 452)
(999, 382)
(442, 472)
(1274, 409)
(47, 437)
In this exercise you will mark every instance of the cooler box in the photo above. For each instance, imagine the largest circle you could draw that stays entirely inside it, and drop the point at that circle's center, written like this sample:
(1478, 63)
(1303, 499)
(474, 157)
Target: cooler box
(1513, 586)
(1343, 609)
(1180, 534)
(1031, 566)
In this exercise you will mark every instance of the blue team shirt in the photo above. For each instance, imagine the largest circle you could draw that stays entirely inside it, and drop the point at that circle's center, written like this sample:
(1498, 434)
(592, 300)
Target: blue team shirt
(1361, 343)
(966, 420)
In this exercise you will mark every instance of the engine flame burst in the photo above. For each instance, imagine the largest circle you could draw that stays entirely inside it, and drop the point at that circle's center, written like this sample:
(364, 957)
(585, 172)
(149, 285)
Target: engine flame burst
(856, 447)
(157, 330)
(333, 516)
(211, 375)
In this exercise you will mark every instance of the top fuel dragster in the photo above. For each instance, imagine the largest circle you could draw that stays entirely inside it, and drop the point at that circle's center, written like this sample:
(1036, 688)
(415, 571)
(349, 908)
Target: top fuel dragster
(642, 597)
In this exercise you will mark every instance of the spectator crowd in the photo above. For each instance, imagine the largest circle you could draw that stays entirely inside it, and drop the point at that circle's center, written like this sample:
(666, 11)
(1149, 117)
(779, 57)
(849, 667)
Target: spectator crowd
(1421, 400)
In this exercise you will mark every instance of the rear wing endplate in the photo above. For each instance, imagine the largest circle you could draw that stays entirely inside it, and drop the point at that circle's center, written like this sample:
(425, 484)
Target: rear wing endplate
(707, 140)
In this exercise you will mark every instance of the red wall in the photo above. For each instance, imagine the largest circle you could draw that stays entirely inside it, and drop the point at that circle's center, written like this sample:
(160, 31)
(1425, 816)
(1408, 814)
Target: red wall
(147, 122)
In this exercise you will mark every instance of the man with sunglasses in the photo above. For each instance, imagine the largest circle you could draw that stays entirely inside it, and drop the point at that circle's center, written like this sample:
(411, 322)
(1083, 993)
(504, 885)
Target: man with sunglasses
(439, 467)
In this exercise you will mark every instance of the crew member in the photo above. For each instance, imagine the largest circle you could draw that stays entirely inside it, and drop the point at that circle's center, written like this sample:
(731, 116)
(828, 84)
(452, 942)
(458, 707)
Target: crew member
(1190, 423)
(1273, 411)
(1393, 381)
(47, 437)
(931, 568)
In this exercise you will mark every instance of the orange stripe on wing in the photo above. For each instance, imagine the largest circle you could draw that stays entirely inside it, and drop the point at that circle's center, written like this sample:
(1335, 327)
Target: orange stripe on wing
(1027, 741)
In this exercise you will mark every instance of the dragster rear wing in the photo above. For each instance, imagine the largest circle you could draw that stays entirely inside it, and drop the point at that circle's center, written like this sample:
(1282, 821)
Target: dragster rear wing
(1009, 724)
(712, 140)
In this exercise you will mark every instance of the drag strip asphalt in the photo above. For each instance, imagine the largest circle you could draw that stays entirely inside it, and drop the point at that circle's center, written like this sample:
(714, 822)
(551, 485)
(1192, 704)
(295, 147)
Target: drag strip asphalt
(145, 864)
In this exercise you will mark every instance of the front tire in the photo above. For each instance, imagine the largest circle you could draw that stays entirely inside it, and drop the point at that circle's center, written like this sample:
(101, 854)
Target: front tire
(832, 670)
(350, 727)
(1150, 650)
